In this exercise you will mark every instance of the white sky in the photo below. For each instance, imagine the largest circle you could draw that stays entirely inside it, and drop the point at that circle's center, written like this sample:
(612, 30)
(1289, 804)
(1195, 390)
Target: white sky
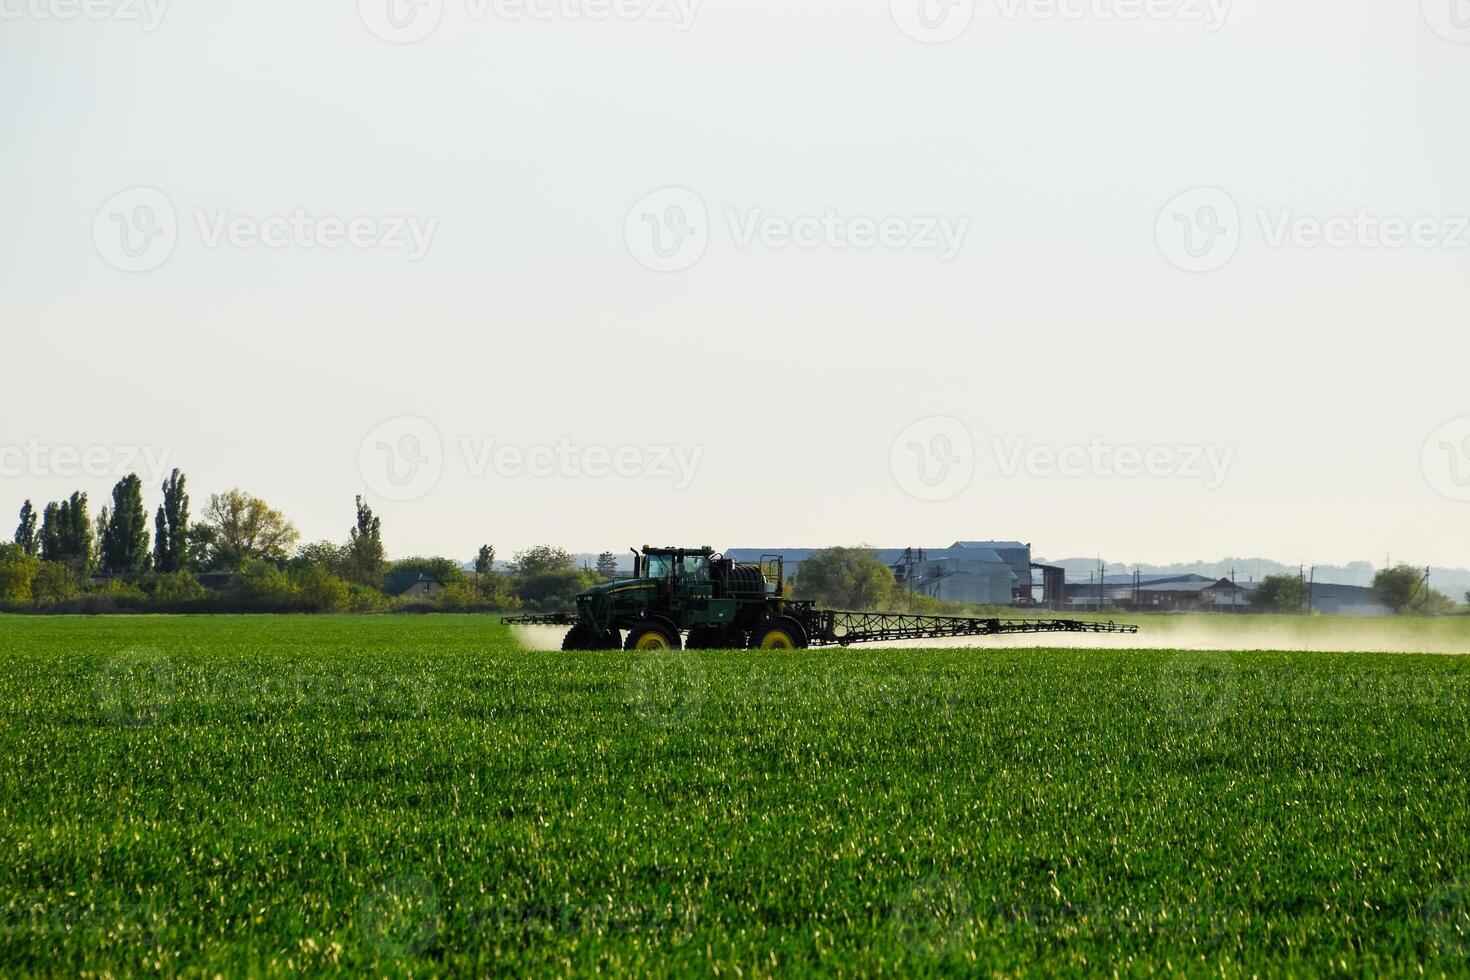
(790, 372)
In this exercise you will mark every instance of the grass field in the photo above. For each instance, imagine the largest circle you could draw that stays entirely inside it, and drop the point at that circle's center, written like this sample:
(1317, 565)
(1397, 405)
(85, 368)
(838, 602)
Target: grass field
(406, 795)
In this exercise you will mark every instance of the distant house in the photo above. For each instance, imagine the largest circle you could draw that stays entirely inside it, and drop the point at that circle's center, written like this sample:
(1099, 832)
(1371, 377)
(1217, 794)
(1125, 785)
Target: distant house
(422, 587)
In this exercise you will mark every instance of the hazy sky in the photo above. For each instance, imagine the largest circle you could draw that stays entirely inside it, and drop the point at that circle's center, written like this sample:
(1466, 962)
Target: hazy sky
(1151, 279)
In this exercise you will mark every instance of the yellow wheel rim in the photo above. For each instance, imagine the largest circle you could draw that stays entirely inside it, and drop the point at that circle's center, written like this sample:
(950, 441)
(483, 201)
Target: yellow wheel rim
(778, 640)
(653, 641)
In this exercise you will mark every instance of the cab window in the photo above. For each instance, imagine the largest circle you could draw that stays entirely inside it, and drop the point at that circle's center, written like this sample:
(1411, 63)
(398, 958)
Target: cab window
(696, 568)
(660, 566)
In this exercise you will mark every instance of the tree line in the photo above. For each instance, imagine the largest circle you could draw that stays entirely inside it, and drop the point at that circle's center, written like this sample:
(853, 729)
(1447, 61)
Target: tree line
(242, 554)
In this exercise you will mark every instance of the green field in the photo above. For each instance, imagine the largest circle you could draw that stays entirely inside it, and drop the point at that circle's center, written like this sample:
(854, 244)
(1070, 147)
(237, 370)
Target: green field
(404, 795)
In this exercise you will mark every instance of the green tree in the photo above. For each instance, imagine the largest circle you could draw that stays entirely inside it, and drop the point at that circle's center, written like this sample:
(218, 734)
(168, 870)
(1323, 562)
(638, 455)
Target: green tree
(553, 589)
(365, 557)
(1281, 594)
(327, 554)
(25, 532)
(262, 584)
(125, 539)
(171, 527)
(607, 565)
(17, 572)
(83, 541)
(1405, 590)
(49, 539)
(846, 578)
(66, 534)
(484, 567)
(319, 588)
(54, 582)
(179, 586)
(244, 528)
(542, 558)
(1399, 587)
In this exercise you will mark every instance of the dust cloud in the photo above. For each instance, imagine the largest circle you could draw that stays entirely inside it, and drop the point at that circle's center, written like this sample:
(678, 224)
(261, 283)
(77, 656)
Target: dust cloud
(1317, 634)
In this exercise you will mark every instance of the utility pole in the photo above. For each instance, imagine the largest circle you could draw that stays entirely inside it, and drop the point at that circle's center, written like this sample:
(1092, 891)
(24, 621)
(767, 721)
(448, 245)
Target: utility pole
(1311, 591)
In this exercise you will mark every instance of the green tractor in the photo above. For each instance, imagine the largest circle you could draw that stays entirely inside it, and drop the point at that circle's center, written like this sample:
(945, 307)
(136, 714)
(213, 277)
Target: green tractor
(720, 604)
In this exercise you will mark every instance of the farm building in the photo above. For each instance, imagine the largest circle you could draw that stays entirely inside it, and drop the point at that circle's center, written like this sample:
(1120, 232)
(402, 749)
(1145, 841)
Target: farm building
(1162, 593)
(1342, 600)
